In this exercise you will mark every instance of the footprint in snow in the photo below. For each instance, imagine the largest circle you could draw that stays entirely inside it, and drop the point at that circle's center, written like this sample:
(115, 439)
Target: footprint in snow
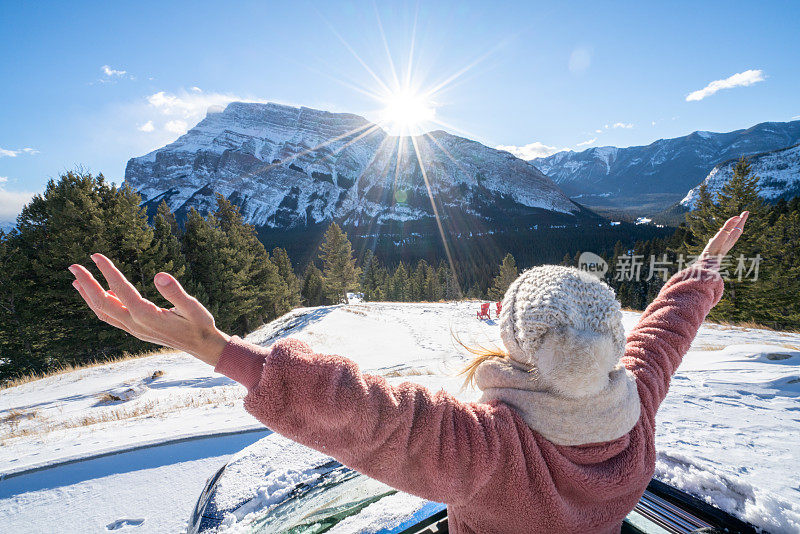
(122, 523)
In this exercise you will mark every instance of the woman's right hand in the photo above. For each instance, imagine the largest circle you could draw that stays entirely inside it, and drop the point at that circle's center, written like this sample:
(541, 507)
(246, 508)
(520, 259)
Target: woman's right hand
(719, 245)
(188, 326)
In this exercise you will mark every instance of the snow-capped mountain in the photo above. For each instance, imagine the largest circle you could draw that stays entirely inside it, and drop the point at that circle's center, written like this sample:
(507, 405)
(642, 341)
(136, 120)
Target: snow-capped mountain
(290, 167)
(778, 172)
(658, 174)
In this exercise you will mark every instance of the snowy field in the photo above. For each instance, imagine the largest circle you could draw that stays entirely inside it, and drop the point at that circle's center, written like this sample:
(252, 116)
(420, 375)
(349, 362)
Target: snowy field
(729, 430)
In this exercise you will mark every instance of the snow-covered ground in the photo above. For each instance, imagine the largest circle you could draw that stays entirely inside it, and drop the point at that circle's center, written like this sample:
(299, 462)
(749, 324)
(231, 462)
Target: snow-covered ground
(729, 430)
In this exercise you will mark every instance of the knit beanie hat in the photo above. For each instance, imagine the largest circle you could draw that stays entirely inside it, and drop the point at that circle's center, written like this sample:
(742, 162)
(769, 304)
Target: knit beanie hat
(567, 325)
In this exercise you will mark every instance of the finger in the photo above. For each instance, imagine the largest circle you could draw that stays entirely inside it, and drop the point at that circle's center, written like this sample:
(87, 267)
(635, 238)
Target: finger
(95, 304)
(715, 244)
(184, 303)
(111, 320)
(86, 279)
(142, 311)
(122, 288)
(734, 235)
(738, 226)
(730, 224)
(743, 218)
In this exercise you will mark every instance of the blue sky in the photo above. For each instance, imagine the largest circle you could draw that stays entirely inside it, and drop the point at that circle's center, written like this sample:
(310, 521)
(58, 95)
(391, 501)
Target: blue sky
(92, 84)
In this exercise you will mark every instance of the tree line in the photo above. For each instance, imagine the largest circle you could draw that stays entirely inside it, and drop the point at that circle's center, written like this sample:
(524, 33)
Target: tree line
(221, 260)
(45, 325)
(762, 271)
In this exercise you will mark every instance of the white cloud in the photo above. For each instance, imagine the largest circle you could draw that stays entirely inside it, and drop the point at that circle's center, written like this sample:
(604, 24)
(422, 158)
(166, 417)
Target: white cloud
(627, 126)
(11, 153)
(580, 59)
(587, 142)
(531, 150)
(176, 126)
(147, 127)
(740, 79)
(598, 131)
(108, 71)
(189, 105)
(653, 123)
(187, 108)
(11, 202)
(796, 117)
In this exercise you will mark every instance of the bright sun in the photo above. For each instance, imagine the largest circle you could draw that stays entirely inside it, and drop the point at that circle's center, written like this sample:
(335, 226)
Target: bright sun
(406, 113)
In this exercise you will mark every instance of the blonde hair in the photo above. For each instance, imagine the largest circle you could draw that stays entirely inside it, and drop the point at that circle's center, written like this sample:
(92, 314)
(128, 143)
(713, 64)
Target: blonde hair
(481, 354)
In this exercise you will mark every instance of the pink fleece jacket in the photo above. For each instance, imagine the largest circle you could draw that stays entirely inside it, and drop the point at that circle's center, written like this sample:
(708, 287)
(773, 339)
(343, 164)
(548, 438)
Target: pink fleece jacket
(494, 473)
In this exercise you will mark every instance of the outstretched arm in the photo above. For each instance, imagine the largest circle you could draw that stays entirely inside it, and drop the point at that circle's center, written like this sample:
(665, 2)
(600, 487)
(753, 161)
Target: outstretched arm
(668, 326)
(425, 443)
(428, 444)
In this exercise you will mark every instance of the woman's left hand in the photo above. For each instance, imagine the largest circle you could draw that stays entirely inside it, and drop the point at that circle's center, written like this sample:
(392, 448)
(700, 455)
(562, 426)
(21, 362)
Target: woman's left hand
(723, 241)
(189, 326)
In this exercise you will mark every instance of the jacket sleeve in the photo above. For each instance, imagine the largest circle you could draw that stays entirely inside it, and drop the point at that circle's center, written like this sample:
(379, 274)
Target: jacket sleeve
(656, 346)
(424, 443)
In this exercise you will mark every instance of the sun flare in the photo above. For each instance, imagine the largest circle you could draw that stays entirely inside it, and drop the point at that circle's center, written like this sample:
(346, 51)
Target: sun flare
(407, 113)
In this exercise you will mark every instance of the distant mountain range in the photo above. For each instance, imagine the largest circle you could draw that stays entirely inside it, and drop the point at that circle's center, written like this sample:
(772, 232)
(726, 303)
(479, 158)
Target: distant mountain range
(654, 177)
(290, 167)
(778, 170)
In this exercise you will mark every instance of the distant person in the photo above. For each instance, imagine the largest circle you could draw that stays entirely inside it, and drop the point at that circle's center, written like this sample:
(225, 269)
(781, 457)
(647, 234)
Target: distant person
(562, 439)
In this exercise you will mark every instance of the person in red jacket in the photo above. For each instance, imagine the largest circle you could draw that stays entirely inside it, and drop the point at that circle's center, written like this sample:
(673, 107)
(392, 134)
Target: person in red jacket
(562, 440)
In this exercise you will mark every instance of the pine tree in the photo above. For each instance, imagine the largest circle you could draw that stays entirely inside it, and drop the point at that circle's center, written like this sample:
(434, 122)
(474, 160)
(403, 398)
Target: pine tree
(508, 273)
(167, 242)
(339, 271)
(78, 214)
(434, 291)
(129, 238)
(312, 291)
(373, 279)
(452, 291)
(230, 268)
(703, 221)
(257, 292)
(204, 249)
(399, 284)
(740, 193)
(474, 292)
(281, 260)
(17, 324)
(774, 296)
(416, 283)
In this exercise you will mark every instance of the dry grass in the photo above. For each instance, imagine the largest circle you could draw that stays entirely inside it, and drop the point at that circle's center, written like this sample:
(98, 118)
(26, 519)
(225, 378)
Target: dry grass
(720, 347)
(157, 374)
(159, 407)
(68, 368)
(12, 421)
(407, 372)
(14, 417)
(711, 347)
(752, 325)
(108, 397)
